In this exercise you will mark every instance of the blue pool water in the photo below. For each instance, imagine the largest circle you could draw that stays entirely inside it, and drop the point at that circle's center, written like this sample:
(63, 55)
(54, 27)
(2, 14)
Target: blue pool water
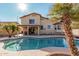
(28, 43)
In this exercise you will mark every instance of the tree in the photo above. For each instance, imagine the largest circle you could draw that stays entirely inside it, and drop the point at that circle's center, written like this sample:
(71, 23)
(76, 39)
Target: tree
(67, 12)
(10, 29)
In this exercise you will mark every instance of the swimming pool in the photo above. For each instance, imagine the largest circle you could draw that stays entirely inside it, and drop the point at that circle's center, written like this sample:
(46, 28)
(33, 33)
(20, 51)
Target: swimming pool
(28, 43)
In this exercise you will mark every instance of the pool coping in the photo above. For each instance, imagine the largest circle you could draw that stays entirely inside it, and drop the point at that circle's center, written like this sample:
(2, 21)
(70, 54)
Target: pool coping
(36, 36)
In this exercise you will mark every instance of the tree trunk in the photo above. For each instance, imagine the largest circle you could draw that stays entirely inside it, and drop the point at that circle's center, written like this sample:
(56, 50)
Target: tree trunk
(69, 36)
(10, 36)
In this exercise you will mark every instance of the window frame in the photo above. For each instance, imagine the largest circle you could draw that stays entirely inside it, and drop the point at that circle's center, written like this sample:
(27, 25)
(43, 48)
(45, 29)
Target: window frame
(31, 21)
(49, 27)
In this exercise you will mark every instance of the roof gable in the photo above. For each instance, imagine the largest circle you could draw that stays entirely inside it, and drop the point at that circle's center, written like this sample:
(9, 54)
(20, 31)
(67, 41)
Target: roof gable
(30, 14)
(33, 15)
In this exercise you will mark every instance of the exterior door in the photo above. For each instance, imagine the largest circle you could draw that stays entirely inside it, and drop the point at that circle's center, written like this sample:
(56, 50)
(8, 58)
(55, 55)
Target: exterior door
(31, 30)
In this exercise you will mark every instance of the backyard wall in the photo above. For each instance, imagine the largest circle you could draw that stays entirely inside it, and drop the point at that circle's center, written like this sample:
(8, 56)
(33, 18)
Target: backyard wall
(75, 32)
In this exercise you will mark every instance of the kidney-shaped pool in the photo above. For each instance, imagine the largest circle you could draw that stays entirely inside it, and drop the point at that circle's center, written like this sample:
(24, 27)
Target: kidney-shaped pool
(30, 43)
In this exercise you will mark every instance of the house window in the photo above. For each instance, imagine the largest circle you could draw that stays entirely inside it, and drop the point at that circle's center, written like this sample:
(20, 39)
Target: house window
(41, 27)
(59, 27)
(31, 21)
(49, 26)
(55, 28)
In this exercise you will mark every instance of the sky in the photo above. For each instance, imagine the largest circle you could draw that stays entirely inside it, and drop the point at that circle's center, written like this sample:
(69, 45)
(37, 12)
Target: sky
(12, 11)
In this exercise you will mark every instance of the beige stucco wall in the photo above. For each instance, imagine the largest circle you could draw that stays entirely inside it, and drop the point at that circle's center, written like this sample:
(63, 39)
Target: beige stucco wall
(45, 23)
(25, 20)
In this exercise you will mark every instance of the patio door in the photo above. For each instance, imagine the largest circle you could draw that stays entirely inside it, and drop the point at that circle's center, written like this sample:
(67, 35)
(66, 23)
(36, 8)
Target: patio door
(31, 30)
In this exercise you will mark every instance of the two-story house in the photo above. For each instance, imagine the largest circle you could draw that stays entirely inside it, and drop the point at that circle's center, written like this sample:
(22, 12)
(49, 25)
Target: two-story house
(36, 24)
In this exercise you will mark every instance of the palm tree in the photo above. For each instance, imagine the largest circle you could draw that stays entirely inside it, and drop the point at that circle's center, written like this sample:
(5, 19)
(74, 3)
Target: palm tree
(67, 12)
(10, 29)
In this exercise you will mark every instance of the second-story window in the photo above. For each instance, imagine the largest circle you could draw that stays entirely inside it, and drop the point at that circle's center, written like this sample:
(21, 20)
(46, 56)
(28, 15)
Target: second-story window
(31, 21)
(49, 26)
